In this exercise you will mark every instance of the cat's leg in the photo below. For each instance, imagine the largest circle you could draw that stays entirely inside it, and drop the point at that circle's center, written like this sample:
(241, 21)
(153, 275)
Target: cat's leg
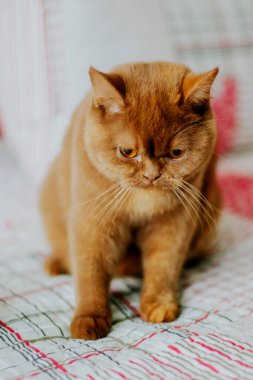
(58, 261)
(94, 255)
(164, 244)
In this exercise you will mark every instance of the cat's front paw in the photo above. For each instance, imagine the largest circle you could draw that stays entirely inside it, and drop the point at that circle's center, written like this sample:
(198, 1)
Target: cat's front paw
(159, 309)
(90, 327)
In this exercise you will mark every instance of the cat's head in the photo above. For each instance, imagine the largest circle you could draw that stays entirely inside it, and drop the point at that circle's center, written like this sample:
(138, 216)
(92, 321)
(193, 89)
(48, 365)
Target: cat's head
(150, 124)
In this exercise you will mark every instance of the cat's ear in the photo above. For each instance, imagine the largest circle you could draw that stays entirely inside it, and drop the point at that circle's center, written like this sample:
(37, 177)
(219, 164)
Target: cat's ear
(108, 91)
(197, 87)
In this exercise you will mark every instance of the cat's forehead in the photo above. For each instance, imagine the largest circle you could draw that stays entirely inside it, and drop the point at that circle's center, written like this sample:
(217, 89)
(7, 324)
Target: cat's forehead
(152, 96)
(150, 134)
(153, 120)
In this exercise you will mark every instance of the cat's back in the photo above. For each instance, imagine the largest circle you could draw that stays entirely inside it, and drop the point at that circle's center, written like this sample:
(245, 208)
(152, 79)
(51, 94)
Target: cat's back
(56, 187)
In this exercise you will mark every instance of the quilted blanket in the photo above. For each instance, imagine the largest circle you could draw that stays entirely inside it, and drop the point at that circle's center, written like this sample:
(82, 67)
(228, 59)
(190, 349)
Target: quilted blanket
(211, 339)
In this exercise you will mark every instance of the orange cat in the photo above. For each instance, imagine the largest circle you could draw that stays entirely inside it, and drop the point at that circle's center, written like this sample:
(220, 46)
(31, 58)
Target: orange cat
(136, 169)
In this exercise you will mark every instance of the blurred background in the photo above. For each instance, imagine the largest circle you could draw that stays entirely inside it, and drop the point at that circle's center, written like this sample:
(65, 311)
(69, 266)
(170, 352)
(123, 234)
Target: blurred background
(47, 47)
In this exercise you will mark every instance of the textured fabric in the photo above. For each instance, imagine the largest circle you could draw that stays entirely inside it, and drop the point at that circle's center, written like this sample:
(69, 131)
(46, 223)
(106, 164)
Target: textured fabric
(211, 33)
(25, 98)
(211, 339)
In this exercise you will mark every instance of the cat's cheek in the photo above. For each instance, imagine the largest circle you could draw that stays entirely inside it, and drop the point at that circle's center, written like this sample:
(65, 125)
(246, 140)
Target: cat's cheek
(106, 167)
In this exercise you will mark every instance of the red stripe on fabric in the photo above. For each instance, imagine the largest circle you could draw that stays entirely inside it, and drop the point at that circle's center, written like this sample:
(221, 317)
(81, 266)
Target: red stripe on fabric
(91, 377)
(202, 318)
(174, 349)
(120, 374)
(232, 343)
(148, 337)
(29, 376)
(172, 366)
(43, 355)
(192, 332)
(126, 302)
(219, 352)
(146, 369)
(210, 348)
(212, 368)
(237, 192)
(34, 291)
(193, 323)
(92, 354)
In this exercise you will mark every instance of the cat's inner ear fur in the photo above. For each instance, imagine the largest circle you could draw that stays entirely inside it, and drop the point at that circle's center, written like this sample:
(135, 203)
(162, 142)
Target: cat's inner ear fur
(108, 91)
(196, 88)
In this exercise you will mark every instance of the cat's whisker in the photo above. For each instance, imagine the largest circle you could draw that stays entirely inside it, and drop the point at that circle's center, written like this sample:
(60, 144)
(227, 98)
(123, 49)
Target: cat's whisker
(104, 219)
(196, 194)
(115, 205)
(107, 190)
(91, 210)
(179, 197)
(202, 197)
(127, 193)
(191, 204)
(206, 214)
(100, 212)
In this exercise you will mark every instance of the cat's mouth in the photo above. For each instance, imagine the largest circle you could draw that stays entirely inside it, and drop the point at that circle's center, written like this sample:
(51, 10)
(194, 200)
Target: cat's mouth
(147, 186)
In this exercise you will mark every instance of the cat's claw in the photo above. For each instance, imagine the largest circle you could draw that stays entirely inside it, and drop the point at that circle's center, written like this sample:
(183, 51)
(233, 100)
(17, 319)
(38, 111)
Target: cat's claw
(89, 327)
(158, 311)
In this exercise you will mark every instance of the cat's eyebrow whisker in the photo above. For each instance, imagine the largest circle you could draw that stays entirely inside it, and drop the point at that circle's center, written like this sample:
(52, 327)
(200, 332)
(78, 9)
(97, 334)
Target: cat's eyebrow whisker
(195, 124)
(186, 126)
(191, 126)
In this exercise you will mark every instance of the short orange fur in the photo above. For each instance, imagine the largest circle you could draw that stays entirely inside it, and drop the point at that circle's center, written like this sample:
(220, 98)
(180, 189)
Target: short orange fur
(105, 213)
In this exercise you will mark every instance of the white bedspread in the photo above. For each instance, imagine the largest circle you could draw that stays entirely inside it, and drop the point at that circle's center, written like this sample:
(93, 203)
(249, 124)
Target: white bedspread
(212, 338)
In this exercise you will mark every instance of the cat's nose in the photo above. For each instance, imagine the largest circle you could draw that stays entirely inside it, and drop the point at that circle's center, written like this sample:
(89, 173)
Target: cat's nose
(151, 176)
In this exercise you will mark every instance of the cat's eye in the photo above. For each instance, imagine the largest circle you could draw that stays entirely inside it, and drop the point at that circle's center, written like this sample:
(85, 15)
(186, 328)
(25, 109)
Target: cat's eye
(128, 153)
(176, 154)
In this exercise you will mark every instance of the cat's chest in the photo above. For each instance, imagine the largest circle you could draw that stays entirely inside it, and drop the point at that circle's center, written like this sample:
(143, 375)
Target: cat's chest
(145, 204)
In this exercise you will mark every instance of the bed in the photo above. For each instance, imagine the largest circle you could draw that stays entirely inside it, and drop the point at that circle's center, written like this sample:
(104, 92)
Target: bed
(211, 339)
